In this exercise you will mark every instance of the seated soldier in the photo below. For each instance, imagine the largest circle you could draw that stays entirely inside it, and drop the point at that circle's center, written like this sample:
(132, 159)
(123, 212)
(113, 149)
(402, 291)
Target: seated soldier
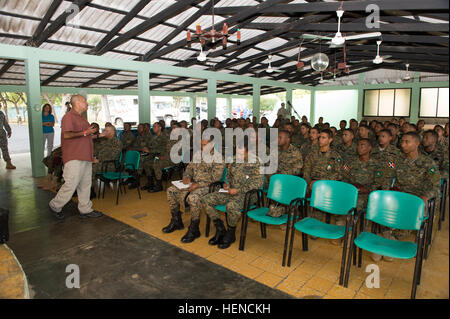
(200, 176)
(158, 159)
(290, 162)
(347, 149)
(430, 148)
(127, 138)
(395, 130)
(416, 173)
(312, 144)
(108, 149)
(362, 172)
(323, 163)
(304, 134)
(342, 126)
(365, 131)
(387, 156)
(242, 176)
(442, 141)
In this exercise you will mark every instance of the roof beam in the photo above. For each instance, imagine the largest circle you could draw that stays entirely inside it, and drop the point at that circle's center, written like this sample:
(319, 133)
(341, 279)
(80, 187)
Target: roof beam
(123, 22)
(408, 5)
(169, 12)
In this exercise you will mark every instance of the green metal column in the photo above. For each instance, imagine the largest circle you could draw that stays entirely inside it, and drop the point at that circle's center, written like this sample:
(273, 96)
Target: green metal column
(359, 113)
(212, 98)
(192, 107)
(257, 101)
(229, 106)
(33, 91)
(144, 96)
(415, 94)
(312, 108)
(289, 99)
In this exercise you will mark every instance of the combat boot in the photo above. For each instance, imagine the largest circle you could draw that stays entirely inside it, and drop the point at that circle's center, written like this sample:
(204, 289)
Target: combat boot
(150, 185)
(158, 187)
(192, 233)
(220, 232)
(228, 239)
(9, 165)
(175, 223)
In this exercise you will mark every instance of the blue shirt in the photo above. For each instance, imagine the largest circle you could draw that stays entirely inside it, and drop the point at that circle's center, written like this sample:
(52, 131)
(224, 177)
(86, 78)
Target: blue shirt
(48, 118)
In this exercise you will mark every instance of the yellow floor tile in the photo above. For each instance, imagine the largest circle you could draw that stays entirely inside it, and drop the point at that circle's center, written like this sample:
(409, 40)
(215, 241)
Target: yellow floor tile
(341, 292)
(309, 293)
(319, 284)
(290, 286)
(269, 279)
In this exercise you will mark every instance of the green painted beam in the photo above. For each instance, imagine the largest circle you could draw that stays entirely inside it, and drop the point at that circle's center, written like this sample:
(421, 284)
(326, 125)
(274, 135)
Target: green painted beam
(360, 87)
(212, 98)
(257, 101)
(72, 90)
(144, 97)
(415, 99)
(33, 91)
(289, 99)
(192, 107)
(86, 60)
(229, 106)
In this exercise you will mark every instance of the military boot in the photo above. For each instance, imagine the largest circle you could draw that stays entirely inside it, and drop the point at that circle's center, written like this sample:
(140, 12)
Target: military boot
(45, 181)
(228, 239)
(9, 165)
(149, 185)
(220, 232)
(175, 223)
(192, 233)
(158, 187)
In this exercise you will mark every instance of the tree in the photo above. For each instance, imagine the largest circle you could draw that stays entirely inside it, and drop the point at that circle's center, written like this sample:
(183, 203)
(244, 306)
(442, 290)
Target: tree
(18, 100)
(95, 104)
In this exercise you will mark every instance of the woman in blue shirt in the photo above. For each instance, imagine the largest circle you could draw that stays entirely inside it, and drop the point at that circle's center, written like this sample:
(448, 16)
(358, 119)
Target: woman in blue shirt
(48, 121)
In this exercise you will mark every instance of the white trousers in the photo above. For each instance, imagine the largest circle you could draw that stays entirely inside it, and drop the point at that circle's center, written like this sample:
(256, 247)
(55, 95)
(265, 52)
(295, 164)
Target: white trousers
(77, 176)
(49, 137)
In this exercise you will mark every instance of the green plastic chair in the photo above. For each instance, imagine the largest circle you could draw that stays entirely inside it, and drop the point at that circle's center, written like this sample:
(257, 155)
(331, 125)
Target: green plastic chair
(130, 163)
(285, 189)
(332, 197)
(395, 210)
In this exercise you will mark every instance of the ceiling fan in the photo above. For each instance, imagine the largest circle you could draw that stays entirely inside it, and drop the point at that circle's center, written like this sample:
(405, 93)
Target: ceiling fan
(378, 58)
(338, 40)
(270, 69)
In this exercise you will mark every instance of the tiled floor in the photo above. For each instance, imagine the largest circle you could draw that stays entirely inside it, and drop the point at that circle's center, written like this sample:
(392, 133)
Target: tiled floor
(312, 273)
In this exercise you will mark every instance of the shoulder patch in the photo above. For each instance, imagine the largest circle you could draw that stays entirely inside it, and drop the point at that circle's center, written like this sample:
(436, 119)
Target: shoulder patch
(378, 173)
(432, 170)
(391, 165)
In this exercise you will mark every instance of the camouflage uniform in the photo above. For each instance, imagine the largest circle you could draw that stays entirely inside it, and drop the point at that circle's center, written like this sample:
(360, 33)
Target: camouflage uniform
(127, 140)
(347, 152)
(419, 177)
(201, 173)
(307, 148)
(327, 166)
(3, 138)
(106, 150)
(54, 162)
(362, 173)
(289, 162)
(153, 164)
(323, 166)
(387, 160)
(242, 176)
(440, 157)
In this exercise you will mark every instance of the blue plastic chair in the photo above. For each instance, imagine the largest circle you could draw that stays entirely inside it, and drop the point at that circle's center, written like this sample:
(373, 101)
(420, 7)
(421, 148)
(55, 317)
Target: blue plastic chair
(332, 197)
(130, 163)
(395, 210)
(285, 189)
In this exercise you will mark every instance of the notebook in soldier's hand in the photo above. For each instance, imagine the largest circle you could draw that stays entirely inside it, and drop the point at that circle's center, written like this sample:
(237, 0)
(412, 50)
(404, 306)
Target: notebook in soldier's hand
(179, 184)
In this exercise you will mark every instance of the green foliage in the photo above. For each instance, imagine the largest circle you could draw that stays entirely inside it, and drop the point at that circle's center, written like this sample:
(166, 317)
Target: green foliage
(267, 103)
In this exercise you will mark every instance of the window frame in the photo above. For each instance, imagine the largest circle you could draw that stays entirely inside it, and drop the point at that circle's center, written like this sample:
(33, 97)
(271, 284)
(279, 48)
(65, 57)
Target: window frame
(437, 103)
(393, 109)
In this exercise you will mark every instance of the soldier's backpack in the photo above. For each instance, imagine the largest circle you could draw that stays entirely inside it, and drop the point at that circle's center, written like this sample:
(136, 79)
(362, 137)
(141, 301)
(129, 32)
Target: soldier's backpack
(4, 231)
